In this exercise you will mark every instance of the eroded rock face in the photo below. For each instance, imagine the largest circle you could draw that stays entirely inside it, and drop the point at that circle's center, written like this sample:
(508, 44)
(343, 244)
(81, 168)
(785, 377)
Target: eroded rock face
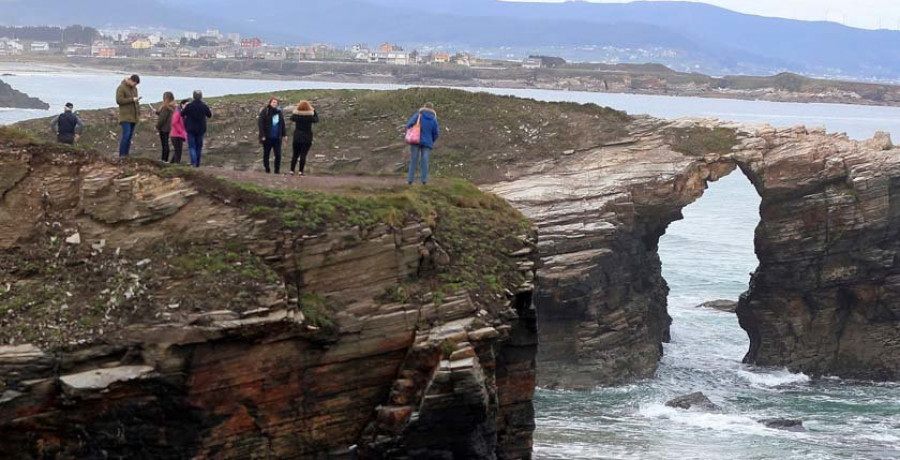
(262, 376)
(822, 301)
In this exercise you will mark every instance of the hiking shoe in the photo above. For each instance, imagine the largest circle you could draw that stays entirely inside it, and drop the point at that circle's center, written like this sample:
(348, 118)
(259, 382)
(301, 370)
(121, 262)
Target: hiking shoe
(292, 173)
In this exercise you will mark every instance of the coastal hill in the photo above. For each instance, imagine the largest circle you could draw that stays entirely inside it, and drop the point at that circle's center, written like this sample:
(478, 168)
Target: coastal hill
(653, 79)
(485, 138)
(15, 99)
(687, 36)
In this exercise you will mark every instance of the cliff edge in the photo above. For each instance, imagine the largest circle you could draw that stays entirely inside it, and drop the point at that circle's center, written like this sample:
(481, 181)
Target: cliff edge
(152, 312)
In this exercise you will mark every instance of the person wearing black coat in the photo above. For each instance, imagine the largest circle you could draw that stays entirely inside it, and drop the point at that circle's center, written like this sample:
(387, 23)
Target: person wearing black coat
(194, 116)
(304, 116)
(67, 126)
(271, 133)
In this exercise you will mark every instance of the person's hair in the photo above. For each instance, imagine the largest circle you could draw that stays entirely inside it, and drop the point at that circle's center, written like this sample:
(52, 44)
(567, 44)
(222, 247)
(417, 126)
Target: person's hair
(135, 78)
(184, 101)
(304, 106)
(198, 94)
(428, 105)
(271, 99)
(168, 98)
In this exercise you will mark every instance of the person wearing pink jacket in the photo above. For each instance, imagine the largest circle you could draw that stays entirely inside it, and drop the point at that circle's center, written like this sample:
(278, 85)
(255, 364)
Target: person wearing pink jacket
(179, 133)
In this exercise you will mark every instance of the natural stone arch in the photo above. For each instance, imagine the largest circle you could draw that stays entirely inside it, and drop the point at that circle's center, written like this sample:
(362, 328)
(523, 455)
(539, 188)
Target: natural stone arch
(601, 298)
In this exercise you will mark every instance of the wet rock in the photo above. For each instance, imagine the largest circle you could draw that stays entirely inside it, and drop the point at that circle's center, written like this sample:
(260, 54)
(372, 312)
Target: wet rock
(696, 400)
(785, 424)
(727, 306)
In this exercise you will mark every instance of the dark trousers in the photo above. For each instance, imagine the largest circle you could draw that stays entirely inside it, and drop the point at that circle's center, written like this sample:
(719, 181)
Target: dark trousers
(125, 141)
(301, 150)
(65, 138)
(195, 148)
(268, 146)
(164, 142)
(179, 145)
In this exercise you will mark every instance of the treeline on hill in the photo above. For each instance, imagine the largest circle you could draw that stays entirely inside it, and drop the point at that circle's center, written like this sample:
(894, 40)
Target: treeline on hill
(70, 35)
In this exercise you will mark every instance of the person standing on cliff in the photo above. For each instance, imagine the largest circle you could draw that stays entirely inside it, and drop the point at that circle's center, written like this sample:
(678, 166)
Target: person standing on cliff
(426, 118)
(179, 133)
(195, 115)
(129, 111)
(67, 126)
(271, 133)
(164, 123)
(303, 117)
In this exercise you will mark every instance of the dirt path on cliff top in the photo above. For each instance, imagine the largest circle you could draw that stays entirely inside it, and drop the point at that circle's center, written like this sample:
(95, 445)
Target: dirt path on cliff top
(326, 183)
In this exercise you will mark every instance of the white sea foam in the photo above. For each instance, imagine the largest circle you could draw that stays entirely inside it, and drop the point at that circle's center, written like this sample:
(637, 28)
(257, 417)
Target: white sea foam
(706, 420)
(772, 378)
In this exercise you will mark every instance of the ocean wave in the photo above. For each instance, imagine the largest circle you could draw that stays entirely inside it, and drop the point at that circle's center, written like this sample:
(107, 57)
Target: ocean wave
(774, 378)
(706, 420)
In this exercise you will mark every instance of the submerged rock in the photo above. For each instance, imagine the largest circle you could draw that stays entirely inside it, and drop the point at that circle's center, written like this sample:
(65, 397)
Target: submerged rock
(15, 99)
(696, 400)
(786, 424)
(727, 306)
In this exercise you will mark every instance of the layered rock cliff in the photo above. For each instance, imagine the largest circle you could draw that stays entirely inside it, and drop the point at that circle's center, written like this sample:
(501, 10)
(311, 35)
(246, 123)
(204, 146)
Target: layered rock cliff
(159, 313)
(821, 301)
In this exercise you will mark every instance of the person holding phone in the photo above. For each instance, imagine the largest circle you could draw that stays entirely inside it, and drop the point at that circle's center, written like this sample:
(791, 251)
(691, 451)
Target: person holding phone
(129, 111)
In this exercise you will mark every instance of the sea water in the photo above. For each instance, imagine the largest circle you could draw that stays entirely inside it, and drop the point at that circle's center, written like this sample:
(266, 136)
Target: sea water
(706, 256)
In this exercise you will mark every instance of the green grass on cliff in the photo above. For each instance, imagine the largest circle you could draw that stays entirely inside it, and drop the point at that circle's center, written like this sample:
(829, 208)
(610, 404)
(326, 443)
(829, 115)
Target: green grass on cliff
(699, 141)
(62, 294)
(483, 137)
(475, 228)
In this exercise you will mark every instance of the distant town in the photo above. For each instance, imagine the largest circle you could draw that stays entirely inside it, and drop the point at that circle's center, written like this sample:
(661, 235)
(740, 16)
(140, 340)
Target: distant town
(77, 41)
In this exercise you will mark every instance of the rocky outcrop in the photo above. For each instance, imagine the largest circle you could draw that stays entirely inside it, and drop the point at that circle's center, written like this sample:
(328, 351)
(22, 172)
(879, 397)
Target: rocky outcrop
(785, 424)
(822, 300)
(726, 306)
(15, 99)
(696, 400)
(188, 321)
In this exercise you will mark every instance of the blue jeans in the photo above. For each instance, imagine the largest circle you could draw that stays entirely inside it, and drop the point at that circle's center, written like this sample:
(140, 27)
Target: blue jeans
(125, 141)
(417, 151)
(195, 148)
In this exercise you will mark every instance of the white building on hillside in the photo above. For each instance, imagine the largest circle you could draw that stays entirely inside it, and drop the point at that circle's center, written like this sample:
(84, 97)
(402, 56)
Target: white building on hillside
(389, 57)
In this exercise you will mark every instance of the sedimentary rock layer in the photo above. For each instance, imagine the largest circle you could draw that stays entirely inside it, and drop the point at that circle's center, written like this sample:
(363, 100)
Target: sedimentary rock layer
(821, 301)
(313, 359)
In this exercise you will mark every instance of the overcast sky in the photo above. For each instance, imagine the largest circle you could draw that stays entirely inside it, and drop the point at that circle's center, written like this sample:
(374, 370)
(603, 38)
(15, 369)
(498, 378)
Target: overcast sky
(869, 14)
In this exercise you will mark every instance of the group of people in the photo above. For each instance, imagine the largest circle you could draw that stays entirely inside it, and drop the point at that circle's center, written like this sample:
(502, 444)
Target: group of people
(272, 133)
(180, 122)
(185, 122)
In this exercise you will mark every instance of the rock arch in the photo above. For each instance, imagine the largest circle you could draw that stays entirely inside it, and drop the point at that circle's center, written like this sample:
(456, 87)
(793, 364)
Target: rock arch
(824, 299)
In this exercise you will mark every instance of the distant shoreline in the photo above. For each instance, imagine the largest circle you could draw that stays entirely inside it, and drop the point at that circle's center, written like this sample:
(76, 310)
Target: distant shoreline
(622, 79)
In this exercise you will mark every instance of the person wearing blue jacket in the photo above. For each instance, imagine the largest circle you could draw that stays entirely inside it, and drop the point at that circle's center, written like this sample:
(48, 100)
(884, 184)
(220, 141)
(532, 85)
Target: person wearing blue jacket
(430, 131)
(194, 116)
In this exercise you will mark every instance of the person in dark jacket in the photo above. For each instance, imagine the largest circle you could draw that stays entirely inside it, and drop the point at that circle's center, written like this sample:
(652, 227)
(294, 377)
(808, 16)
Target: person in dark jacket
(271, 133)
(67, 126)
(430, 131)
(194, 116)
(129, 111)
(164, 122)
(303, 117)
